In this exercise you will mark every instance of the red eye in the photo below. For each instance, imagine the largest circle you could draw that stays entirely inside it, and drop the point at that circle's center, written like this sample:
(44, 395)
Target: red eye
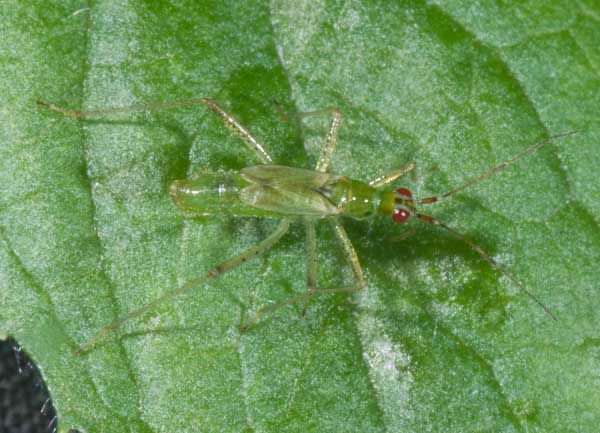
(400, 215)
(403, 192)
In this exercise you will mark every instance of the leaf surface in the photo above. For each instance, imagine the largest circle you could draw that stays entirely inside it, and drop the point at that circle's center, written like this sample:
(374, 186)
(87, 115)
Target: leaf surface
(436, 342)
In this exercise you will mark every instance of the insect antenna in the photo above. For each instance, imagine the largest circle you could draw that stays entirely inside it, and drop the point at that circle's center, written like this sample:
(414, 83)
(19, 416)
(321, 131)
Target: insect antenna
(485, 256)
(495, 169)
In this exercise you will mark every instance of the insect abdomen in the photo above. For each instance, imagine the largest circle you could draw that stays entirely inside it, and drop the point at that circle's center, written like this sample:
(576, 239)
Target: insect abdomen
(212, 193)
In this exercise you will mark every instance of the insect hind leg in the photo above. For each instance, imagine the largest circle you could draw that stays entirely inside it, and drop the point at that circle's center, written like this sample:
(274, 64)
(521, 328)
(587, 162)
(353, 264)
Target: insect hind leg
(311, 280)
(312, 289)
(218, 270)
(230, 122)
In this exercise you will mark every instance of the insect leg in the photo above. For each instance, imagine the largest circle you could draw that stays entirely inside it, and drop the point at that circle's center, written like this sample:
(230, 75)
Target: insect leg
(332, 136)
(311, 279)
(330, 141)
(391, 176)
(235, 126)
(311, 275)
(350, 252)
(229, 121)
(215, 272)
(311, 255)
(311, 261)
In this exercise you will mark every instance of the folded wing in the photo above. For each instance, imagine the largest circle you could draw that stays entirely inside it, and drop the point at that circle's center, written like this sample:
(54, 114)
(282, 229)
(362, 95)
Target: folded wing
(288, 190)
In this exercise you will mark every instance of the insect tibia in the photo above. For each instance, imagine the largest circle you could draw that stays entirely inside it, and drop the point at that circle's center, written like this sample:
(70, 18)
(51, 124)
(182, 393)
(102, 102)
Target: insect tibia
(214, 272)
(131, 108)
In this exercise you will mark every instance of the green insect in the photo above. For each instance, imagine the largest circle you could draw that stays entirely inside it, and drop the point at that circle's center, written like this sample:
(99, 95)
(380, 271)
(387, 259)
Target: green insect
(294, 194)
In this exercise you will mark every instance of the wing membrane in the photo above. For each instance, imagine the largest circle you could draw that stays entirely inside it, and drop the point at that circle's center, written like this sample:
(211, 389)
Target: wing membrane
(289, 200)
(279, 175)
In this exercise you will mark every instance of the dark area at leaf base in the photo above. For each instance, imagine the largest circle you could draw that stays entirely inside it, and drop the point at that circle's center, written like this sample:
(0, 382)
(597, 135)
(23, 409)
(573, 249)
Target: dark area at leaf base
(25, 406)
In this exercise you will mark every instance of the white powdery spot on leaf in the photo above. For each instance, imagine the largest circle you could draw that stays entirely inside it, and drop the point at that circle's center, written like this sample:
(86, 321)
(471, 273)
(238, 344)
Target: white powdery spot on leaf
(446, 311)
(117, 40)
(389, 364)
(450, 272)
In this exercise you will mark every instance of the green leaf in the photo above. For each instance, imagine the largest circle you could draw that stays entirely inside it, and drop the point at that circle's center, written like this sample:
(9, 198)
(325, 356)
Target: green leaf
(438, 341)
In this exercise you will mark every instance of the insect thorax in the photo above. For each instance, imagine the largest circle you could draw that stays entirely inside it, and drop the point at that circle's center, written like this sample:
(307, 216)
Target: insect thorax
(353, 198)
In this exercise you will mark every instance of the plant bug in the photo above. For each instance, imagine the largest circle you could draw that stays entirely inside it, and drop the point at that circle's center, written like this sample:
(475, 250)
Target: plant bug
(289, 193)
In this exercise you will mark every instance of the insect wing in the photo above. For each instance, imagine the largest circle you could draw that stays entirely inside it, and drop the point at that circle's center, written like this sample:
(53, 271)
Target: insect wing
(289, 200)
(279, 175)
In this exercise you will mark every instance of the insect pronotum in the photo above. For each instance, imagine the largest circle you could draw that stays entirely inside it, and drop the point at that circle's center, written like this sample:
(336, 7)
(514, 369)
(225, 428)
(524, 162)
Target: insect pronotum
(288, 193)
